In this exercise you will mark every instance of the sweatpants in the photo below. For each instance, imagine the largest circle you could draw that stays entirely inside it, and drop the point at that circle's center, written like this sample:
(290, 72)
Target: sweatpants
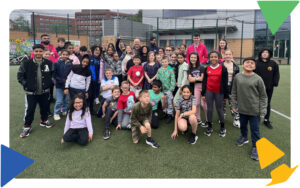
(92, 96)
(269, 94)
(30, 104)
(154, 120)
(254, 127)
(218, 98)
(80, 136)
(169, 102)
(199, 101)
(108, 115)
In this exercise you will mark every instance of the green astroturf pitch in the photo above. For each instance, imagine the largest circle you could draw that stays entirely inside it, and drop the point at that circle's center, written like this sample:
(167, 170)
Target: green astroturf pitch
(118, 157)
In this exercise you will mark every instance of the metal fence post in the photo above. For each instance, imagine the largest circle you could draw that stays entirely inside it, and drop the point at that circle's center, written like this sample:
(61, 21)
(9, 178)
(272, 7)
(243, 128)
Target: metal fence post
(193, 28)
(266, 35)
(68, 27)
(33, 27)
(242, 42)
(157, 28)
(217, 27)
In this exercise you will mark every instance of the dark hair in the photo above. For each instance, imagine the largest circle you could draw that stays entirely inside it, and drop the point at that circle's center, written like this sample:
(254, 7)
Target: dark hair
(93, 48)
(165, 57)
(197, 62)
(136, 57)
(214, 52)
(161, 49)
(157, 83)
(71, 107)
(249, 58)
(141, 50)
(186, 86)
(44, 35)
(85, 56)
(180, 53)
(152, 38)
(38, 46)
(61, 39)
(225, 45)
(67, 44)
(112, 46)
(83, 48)
(116, 88)
(143, 92)
(64, 50)
(183, 45)
(196, 35)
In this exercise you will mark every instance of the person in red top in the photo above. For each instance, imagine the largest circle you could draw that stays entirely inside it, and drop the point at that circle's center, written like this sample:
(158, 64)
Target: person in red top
(215, 89)
(136, 76)
(45, 41)
(124, 106)
(197, 47)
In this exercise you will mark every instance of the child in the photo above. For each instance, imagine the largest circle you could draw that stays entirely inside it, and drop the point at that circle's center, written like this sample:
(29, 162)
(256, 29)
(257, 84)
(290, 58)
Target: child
(125, 60)
(61, 45)
(72, 56)
(222, 48)
(158, 58)
(61, 70)
(110, 111)
(167, 77)
(185, 108)
(156, 96)
(150, 70)
(268, 70)
(249, 96)
(115, 63)
(46, 55)
(78, 127)
(141, 119)
(130, 62)
(135, 76)
(182, 79)
(125, 104)
(232, 69)
(215, 89)
(196, 74)
(35, 75)
(79, 79)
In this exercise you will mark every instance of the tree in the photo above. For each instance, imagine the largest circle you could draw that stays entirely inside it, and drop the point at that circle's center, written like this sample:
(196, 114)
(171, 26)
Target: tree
(22, 23)
(138, 17)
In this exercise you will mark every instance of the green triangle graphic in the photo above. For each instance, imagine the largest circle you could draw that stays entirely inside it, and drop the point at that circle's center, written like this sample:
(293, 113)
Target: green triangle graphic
(276, 12)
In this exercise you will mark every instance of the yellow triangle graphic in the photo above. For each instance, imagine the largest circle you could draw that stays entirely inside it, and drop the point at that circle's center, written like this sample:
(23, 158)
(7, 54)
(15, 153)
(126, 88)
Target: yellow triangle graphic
(267, 152)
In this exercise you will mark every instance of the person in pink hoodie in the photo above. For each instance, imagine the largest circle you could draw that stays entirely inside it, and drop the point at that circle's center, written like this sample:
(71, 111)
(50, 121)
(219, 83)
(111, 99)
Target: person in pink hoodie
(45, 41)
(197, 47)
(73, 57)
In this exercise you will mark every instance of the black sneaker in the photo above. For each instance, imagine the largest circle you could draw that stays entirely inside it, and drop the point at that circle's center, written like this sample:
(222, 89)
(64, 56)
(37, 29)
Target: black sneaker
(204, 125)
(208, 131)
(254, 154)
(193, 139)
(106, 134)
(268, 124)
(169, 119)
(46, 124)
(241, 141)
(222, 132)
(152, 143)
(25, 132)
(201, 123)
(50, 114)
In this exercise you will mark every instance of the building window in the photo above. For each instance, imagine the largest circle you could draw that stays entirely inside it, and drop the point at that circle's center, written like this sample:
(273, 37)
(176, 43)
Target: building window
(163, 43)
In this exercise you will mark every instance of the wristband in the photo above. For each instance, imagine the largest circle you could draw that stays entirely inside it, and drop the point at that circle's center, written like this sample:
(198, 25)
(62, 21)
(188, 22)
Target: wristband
(183, 114)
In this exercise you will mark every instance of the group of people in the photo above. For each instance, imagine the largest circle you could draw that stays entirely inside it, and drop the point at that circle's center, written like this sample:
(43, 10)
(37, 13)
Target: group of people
(133, 84)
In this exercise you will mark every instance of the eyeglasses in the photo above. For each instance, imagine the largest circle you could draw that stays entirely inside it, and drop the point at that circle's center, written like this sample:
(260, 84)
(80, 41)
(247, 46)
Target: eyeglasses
(168, 50)
(78, 102)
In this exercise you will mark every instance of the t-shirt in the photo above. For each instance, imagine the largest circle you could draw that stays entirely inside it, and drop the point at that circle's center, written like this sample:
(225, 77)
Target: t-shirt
(185, 105)
(107, 93)
(196, 72)
(136, 73)
(155, 98)
(112, 103)
(214, 76)
(126, 102)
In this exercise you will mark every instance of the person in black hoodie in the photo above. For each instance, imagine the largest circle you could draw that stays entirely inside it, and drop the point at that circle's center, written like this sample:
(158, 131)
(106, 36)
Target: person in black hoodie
(35, 75)
(268, 70)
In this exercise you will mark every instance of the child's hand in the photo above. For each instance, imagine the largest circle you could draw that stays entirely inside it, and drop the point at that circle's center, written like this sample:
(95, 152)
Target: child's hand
(86, 96)
(103, 115)
(174, 134)
(111, 119)
(180, 116)
(163, 97)
(62, 141)
(149, 80)
(234, 110)
(262, 117)
(118, 127)
(66, 91)
(180, 91)
(90, 137)
(203, 98)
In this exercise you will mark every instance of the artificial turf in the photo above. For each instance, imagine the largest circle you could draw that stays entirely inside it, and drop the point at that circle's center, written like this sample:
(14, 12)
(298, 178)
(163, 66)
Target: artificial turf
(118, 157)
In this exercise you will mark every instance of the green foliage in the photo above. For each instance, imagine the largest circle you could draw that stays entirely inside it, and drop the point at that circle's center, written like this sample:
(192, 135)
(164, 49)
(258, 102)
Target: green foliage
(138, 17)
(22, 24)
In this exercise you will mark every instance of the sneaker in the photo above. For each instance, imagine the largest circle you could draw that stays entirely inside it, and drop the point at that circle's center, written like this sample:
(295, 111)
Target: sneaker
(201, 123)
(56, 117)
(254, 154)
(236, 123)
(64, 113)
(222, 132)
(241, 141)
(97, 101)
(25, 132)
(46, 124)
(204, 125)
(128, 126)
(152, 143)
(193, 139)
(268, 124)
(184, 132)
(50, 114)
(169, 119)
(106, 134)
(208, 131)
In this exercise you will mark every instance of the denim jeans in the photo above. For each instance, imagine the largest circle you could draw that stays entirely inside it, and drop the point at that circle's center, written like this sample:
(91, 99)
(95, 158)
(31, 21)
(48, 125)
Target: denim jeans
(62, 101)
(254, 127)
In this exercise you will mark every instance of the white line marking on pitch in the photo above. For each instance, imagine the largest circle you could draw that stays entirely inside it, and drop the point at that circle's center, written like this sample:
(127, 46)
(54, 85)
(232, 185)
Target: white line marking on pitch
(287, 117)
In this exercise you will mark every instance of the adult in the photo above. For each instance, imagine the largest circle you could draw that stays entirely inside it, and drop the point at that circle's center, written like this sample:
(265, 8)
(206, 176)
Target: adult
(137, 46)
(153, 46)
(197, 47)
(120, 46)
(61, 44)
(268, 70)
(45, 41)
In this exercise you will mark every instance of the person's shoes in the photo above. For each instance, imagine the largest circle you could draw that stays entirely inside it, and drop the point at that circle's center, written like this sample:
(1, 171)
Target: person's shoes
(25, 132)
(106, 134)
(268, 124)
(201, 123)
(56, 117)
(254, 154)
(50, 114)
(204, 125)
(46, 124)
(169, 119)
(241, 141)
(208, 131)
(151, 142)
(128, 126)
(236, 123)
(64, 113)
(97, 101)
(222, 132)
(193, 139)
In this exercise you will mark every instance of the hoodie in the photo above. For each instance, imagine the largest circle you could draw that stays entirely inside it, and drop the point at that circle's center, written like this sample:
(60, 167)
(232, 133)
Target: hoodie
(54, 57)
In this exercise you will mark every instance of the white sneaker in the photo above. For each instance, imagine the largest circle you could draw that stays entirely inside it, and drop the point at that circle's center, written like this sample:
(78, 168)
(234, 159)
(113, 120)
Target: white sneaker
(236, 123)
(97, 101)
(64, 113)
(56, 117)
(129, 126)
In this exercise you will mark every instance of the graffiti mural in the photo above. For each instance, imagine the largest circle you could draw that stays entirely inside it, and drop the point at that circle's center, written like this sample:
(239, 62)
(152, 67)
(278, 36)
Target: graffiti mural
(19, 50)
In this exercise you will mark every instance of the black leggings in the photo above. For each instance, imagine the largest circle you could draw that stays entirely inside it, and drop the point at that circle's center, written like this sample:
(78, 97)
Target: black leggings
(218, 98)
(81, 136)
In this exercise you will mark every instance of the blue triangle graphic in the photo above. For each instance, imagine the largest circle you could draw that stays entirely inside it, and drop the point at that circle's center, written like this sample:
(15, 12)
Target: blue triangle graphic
(12, 164)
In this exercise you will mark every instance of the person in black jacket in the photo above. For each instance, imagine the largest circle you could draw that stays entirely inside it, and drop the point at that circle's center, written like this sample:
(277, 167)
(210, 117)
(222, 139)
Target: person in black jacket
(35, 75)
(268, 70)
(153, 46)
